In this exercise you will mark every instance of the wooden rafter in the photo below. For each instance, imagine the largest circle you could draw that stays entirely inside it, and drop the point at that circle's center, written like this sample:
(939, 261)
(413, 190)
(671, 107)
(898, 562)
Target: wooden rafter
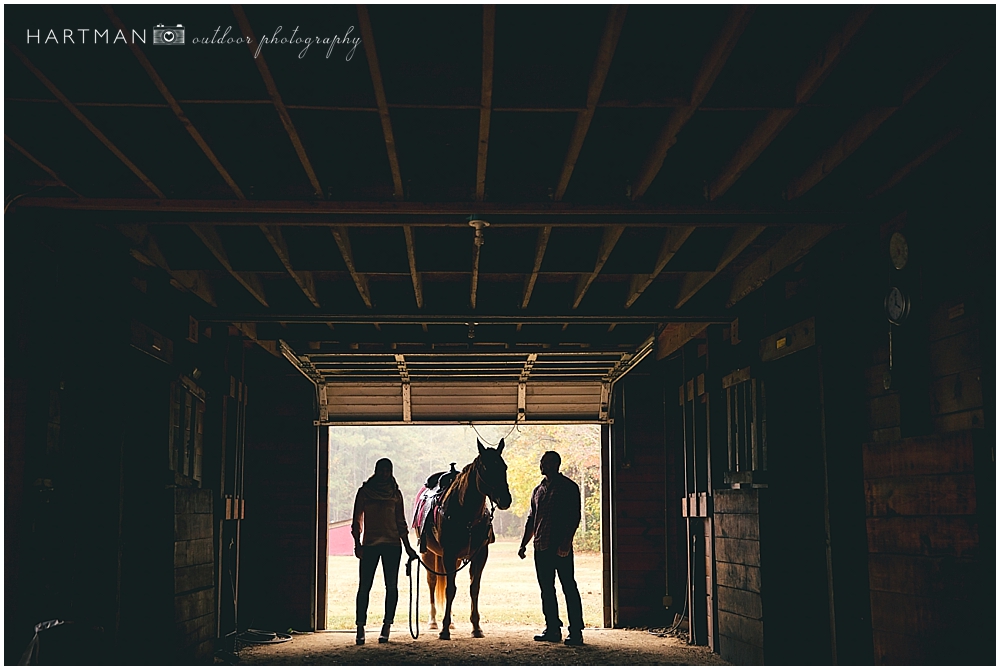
(365, 24)
(605, 53)
(789, 249)
(279, 105)
(903, 172)
(24, 152)
(856, 135)
(411, 257)
(672, 242)
(305, 280)
(250, 281)
(485, 99)
(85, 121)
(714, 61)
(776, 120)
(540, 246)
(174, 106)
(147, 251)
(695, 281)
(608, 242)
(344, 244)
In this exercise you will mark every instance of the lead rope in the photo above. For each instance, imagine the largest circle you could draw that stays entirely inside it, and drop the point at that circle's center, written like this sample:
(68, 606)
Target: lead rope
(414, 607)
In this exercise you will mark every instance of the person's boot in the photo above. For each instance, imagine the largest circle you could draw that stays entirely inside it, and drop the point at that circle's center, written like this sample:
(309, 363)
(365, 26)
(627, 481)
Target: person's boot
(384, 635)
(548, 635)
(574, 639)
(360, 639)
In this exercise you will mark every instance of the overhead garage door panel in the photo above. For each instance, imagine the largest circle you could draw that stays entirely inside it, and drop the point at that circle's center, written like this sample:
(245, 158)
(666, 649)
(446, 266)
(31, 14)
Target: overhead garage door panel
(566, 401)
(463, 401)
(364, 401)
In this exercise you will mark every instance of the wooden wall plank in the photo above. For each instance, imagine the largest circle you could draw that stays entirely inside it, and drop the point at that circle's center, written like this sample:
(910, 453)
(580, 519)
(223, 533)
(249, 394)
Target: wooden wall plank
(193, 552)
(733, 550)
(194, 577)
(736, 576)
(883, 411)
(920, 495)
(943, 577)
(945, 423)
(192, 526)
(742, 526)
(956, 536)
(194, 605)
(955, 354)
(735, 501)
(951, 318)
(194, 631)
(958, 392)
(738, 601)
(738, 652)
(920, 615)
(741, 628)
(927, 455)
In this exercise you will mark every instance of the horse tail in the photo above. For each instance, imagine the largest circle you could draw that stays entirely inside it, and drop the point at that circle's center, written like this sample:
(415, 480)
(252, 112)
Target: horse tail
(442, 581)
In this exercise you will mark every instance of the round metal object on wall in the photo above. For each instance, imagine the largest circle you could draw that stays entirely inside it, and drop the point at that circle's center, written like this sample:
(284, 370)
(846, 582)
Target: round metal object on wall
(897, 306)
(899, 251)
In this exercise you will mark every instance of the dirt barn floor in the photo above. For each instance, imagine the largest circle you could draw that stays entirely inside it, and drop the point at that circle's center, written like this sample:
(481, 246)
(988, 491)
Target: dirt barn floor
(504, 644)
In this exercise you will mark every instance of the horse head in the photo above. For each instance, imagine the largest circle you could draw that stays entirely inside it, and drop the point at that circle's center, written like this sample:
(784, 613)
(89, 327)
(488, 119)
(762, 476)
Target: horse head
(493, 475)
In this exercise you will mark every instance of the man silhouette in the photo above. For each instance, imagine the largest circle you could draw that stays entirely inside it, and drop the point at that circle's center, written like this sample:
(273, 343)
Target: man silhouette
(552, 521)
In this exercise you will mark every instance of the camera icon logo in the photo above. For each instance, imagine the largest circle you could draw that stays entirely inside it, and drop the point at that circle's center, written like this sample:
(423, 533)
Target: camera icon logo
(168, 35)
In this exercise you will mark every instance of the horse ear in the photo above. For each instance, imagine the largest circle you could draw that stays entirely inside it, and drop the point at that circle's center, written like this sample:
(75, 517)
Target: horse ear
(480, 445)
(500, 447)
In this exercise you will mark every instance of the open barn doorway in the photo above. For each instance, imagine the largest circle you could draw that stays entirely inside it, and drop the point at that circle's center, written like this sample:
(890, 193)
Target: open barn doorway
(510, 593)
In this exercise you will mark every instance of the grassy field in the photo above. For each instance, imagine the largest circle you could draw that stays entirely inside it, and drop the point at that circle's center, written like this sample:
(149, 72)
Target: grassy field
(509, 592)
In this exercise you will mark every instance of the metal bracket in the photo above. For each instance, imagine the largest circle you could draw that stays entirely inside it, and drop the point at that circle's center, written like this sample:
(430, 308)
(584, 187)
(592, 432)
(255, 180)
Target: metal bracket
(605, 400)
(407, 411)
(521, 388)
(324, 411)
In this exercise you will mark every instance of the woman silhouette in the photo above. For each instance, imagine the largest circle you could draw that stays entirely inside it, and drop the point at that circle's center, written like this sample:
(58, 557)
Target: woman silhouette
(378, 507)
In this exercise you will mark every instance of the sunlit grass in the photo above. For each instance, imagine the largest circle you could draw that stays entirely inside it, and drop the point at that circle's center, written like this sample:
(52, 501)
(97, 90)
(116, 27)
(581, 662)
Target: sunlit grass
(509, 592)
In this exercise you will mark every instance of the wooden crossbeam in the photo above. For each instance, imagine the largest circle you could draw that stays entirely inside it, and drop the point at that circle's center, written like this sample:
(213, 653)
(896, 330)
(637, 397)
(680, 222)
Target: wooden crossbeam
(776, 120)
(714, 61)
(485, 99)
(305, 280)
(411, 257)
(279, 105)
(344, 244)
(540, 246)
(789, 249)
(856, 135)
(608, 242)
(365, 25)
(147, 251)
(250, 281)
(903, 172)
(676, 335)
(672, 242)
(695, 281)
(174, 106)
(49, 171)
(85, 121)
(602, 63)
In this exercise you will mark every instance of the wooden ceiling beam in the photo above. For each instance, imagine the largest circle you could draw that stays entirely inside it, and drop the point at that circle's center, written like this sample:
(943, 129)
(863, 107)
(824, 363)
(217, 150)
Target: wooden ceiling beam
(85, 121)
(279, 105)
(903, 172)
(147, 251)
(856, 135)
(599, 73)
(365, 25)
(540, 246)
(45, 168)
(411, 257)
(695, 281)
(305, 280)
(776, 120)
(485, 99)
(712, 65)
(608, 242)
(174, 106)
(789, 249)
(672, 242)
(248, 280)
(340, 234)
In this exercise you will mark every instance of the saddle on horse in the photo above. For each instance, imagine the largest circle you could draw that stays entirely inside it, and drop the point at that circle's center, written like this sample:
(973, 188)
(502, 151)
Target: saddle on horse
(428, 504)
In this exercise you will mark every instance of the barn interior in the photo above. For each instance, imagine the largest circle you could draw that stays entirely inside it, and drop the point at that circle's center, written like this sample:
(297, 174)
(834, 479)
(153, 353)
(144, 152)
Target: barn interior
(755, 244)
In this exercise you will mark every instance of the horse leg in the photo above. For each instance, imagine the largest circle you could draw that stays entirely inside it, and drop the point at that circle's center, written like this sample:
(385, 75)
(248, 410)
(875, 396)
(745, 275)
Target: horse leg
(476, 576)
(430, 559)
(450, 563)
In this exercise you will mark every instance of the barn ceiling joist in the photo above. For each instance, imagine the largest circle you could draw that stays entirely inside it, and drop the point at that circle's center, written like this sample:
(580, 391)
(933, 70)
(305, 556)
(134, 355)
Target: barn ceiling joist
(639, 166)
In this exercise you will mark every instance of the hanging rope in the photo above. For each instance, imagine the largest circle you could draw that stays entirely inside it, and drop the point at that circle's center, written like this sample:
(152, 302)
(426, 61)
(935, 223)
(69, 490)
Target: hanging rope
(490, 444)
